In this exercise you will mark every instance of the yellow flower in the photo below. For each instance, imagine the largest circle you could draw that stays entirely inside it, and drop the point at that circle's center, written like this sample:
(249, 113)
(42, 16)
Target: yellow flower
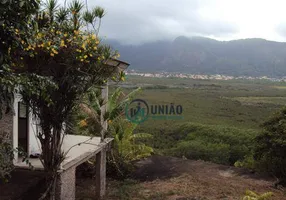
(55, 51)
(21, 58)
(83, 46)
(93, 37)
(123, 78)
(65, 35)
(81, 60)
(78, 50)
(49, 43)
(109, 121)
(82, 123)
(62, 43)
(58, 32)
(90, 55)
(22, 41)
(52, 54)
(94, 48)
(76, 32)
(16, 30)
(85, 56)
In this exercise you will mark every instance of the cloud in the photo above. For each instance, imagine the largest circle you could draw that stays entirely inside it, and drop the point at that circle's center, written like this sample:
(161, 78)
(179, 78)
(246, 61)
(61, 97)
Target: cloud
(281, 29)
(137, 21)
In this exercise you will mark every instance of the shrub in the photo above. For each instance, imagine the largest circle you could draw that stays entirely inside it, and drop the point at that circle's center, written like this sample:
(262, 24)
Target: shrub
(271, 146)
(248, 162)
(218, 153)
(220, 144)
(250, 195)
(6, 157)
(127, 147)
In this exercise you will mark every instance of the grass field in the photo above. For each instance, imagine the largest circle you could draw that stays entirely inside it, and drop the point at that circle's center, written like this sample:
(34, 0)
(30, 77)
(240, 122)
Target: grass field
(220, 118)
(242, 104)
(220, 122)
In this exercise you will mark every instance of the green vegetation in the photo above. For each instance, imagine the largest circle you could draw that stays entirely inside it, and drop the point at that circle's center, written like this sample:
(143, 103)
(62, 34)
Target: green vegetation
(127, 146)
(271, 146)
(250, 195)
(219, 144)
(220, 118)
(59, 59)
(6, 156)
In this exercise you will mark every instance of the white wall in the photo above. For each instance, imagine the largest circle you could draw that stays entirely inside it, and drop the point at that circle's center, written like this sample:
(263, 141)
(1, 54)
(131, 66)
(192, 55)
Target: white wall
(33, 142)
(15, 126)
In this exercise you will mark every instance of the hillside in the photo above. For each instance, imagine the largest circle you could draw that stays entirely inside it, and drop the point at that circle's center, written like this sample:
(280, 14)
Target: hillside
(245, 57)
(167, 178)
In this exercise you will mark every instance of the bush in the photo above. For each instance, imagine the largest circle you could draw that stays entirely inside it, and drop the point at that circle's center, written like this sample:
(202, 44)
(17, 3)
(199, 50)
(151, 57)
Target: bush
(6, 157)
(250, 195)
(220, 144)
(271, 146)
(248, 162)
(218, 153)
(127, 148)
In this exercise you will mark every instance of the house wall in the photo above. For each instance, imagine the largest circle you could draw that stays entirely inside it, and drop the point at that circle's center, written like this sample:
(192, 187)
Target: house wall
(6, 127)
(9, 124)
(34, 143)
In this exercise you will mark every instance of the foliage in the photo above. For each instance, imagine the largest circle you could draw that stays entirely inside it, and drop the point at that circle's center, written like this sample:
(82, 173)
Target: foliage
(92, 117)
(248, 162)
(127, 147)
(15, 15)
(59, 61)
(220, 144)
(6, 156)
(271, 145)
(250, 195)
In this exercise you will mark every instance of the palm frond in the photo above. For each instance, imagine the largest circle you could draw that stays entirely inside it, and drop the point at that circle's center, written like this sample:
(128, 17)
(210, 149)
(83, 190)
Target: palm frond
(51, 6)
(62, 15)
(99, 12)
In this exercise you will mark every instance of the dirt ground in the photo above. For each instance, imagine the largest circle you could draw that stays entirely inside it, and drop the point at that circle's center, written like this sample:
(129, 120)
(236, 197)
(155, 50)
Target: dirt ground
(168, 178)
(23, 185)
(157, 178)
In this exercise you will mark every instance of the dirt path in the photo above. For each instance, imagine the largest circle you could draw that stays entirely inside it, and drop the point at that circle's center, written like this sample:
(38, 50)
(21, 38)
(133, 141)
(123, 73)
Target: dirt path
(167, 178)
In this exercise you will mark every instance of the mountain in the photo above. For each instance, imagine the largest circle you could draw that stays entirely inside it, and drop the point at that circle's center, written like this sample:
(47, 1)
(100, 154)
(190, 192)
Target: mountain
(200, 55)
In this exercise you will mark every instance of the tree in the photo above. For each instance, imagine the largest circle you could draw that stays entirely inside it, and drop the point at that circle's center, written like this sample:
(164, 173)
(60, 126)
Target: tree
(127, 145)
(61, 61)
(271, 146)
(15, 16)
(92, 119)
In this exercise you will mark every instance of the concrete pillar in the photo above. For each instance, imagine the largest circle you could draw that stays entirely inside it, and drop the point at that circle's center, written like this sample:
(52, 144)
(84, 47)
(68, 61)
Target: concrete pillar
(66, 185)
(104, 95)
(100, 186)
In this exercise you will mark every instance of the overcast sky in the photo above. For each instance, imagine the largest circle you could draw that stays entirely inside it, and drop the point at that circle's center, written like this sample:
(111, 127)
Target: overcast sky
(137, 21)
